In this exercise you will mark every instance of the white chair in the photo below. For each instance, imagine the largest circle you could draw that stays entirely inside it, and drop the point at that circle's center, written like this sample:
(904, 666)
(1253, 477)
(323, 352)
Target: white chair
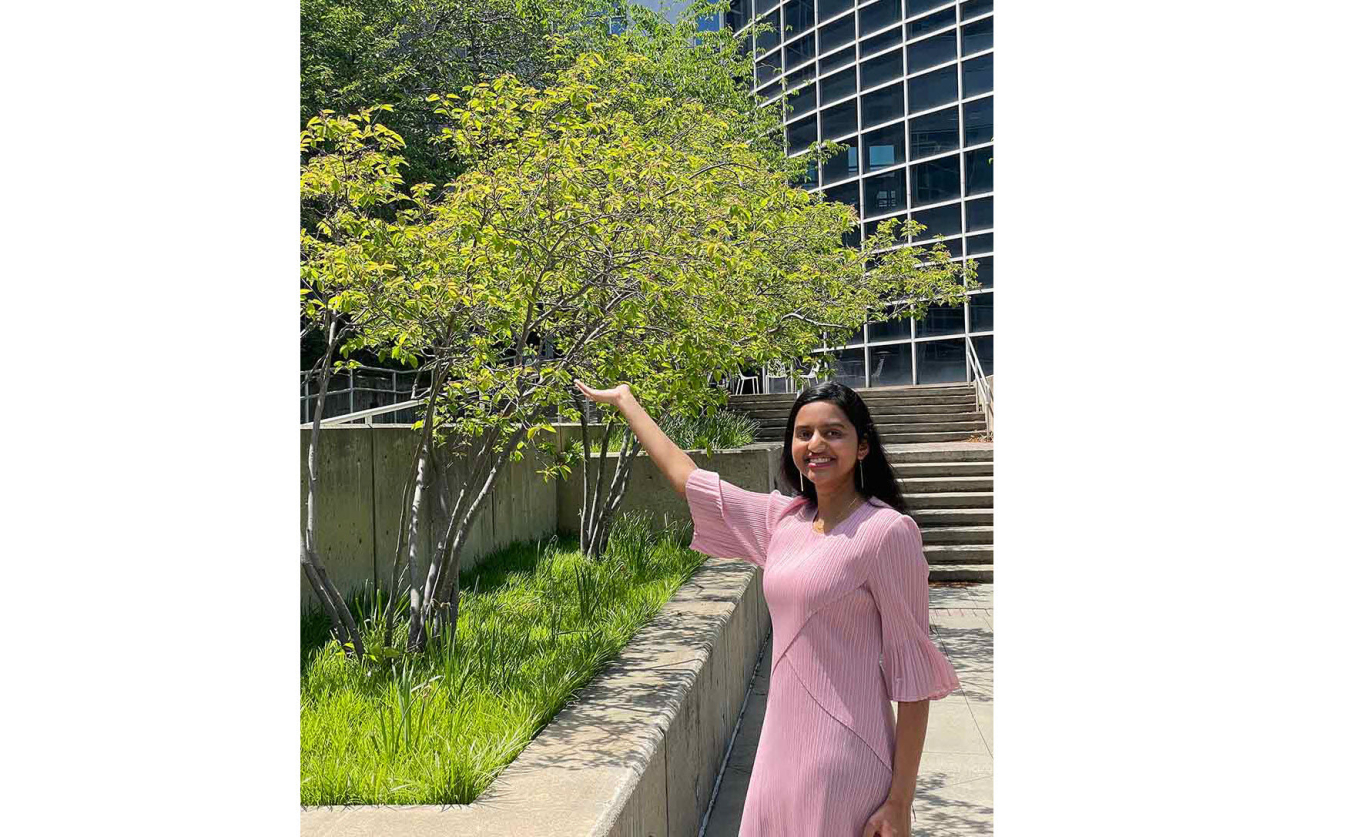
(743, 379)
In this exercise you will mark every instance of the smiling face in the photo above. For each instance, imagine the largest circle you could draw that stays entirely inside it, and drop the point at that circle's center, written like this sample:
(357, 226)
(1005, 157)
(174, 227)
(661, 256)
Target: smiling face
(823, 431)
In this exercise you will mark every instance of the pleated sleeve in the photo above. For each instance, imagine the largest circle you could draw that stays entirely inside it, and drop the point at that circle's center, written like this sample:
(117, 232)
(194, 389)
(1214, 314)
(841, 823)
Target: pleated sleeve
(729, 521)
(912, 665)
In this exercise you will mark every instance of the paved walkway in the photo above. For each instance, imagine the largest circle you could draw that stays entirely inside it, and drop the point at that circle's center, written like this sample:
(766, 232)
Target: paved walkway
(955, 792)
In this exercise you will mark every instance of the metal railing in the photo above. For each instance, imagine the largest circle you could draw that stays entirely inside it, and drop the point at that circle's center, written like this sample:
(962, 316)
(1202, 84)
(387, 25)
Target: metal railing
(365, 388)
(984, 394)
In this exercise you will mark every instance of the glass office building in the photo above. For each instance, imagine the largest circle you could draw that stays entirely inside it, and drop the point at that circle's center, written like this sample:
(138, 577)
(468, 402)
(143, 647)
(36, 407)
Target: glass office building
(907, 86)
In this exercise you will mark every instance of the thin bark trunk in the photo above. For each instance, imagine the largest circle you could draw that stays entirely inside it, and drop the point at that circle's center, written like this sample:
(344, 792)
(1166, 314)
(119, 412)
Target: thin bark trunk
(604, 518)
(344, 627)
(415, 627)
(446, 561)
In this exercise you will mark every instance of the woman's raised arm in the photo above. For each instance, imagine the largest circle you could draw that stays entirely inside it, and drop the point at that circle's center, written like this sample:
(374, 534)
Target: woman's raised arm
(673, 462)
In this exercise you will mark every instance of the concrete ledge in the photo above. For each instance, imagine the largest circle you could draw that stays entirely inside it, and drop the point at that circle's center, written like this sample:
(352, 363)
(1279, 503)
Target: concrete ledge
(636, 753)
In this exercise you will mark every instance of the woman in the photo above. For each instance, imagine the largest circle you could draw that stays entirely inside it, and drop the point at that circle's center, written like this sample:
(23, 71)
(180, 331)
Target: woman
(846, 583)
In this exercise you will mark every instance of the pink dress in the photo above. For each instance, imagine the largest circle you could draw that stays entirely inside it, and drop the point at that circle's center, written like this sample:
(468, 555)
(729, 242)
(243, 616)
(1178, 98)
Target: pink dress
(850, 634)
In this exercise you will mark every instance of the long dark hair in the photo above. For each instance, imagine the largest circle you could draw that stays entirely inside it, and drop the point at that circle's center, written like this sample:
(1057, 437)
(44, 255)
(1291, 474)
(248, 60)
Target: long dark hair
(873, 476)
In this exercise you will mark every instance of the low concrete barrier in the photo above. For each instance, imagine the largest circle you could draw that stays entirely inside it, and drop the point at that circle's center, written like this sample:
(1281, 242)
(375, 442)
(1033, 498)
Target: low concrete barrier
(636, 753)
(362, 471)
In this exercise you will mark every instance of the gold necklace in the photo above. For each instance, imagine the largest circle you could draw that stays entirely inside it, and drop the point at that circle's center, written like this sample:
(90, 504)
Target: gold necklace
(820, 524)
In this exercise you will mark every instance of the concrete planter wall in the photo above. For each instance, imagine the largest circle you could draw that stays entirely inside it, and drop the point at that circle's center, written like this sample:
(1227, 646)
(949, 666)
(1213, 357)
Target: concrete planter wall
(636, 754)
(362, 471)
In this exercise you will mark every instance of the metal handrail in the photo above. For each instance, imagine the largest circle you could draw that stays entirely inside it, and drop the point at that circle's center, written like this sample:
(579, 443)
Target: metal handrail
(366, 416)
(984, 395)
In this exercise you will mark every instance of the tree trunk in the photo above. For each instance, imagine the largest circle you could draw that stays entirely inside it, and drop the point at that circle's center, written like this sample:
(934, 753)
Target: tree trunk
(340, 618)
(445, 561)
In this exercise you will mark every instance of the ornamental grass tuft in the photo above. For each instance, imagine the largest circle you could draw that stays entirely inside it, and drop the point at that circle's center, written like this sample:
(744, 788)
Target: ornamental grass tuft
(537, 622)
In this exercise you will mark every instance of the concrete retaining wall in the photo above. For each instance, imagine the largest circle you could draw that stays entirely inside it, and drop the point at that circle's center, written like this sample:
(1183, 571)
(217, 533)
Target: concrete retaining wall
(636, 753)
(362, 471)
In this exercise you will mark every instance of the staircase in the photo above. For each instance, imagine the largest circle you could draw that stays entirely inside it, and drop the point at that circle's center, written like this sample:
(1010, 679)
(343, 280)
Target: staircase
(947, 482)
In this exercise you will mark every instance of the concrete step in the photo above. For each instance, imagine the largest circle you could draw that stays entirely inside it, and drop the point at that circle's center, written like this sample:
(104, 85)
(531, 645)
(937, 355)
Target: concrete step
(961, 572)
(771, 412)
(964, 553)
(953, 500)
(920, 412)
(774, 403)
(944, 469)
(933, 424)
(898, 420)
(927, 518)
(890, 438)
(969, 452)
(939, 535)
(930, 485)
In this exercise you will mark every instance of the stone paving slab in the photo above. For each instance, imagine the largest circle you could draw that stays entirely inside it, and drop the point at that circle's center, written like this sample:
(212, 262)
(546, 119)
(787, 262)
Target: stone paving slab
(954, 794)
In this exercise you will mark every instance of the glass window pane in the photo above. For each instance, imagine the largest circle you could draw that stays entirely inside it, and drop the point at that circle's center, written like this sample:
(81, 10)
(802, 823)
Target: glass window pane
(800, 134)
(982, 313)
(801, 76)
(830, 8)
(884, 41)
(984, 271)
(802, 49)
(984, 350)
(933, 89)
(978, 244)
(883, 105)
(839, 120)
(768, 39)
(846, 193)
(977, 76)
(841, 165)
(855, 339)
(934, 133)
(885, 192)
(836, 34)
(839, 59)
(937, 180)
(980, 171)
(768, 67)
(879, 16)
(838, 86)
(955, 248)
(941, 319)
(941, 361)
(918, 7)
(885, 146)
(979, 121)
(810, 179)
(979, 214)
(802, 100)
(882, 69)
(736, 14)
(932, 23)
(974, 8)
(798, 16)
(892, 365)
(895, 328)
(932, 51)
(943, 220)
(848, 368)
(977, 36)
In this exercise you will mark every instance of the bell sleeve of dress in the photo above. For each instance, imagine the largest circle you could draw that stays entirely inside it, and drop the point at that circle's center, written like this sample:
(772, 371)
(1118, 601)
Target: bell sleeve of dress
(912, 665)
(729, 521)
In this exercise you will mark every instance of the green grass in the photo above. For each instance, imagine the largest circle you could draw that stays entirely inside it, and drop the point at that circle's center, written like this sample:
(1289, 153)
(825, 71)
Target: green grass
(537, 622)
(723, 430)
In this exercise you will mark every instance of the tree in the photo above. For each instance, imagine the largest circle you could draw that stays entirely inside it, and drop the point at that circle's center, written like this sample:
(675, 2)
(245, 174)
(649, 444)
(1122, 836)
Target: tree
(349, 168)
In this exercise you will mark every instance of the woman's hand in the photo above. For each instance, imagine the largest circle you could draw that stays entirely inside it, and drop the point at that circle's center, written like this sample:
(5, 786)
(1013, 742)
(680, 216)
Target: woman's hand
(890, 820)
(606, 396)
